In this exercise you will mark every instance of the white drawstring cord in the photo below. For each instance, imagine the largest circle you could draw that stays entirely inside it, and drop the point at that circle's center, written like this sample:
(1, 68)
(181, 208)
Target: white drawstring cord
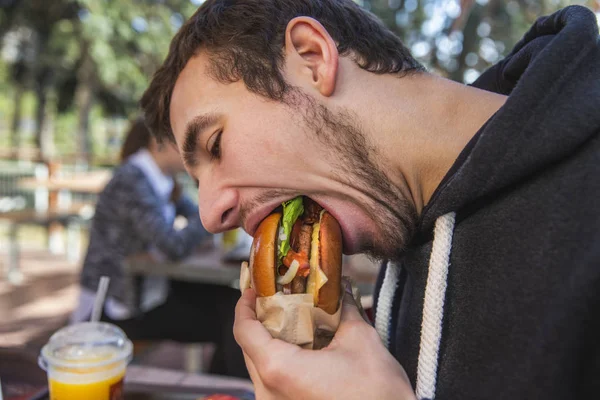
(433, 306)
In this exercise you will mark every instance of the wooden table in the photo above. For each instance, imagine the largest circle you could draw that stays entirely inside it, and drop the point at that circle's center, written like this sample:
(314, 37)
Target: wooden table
(72, 217)
(203, 267)
(81, 182)
(208, 267)
(173, 384)
(53, 197)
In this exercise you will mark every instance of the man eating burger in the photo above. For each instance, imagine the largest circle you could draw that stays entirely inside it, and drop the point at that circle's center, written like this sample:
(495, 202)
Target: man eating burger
(481, 199)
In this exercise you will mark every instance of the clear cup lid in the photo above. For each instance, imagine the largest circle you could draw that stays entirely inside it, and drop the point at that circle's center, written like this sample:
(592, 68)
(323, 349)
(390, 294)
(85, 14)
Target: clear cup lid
(86, 345)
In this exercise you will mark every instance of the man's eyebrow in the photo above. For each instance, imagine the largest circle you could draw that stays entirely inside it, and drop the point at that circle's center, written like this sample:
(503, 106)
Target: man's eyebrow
(193, 130)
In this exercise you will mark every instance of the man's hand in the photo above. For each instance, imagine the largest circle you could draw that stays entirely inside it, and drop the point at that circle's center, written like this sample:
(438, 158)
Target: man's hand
(355, 365)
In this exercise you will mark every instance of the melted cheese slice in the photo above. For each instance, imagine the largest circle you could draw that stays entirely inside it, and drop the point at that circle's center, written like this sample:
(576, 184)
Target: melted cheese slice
(316, 278)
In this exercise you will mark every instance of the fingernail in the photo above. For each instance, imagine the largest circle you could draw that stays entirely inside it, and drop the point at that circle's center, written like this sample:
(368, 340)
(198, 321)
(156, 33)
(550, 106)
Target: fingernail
(348, 287)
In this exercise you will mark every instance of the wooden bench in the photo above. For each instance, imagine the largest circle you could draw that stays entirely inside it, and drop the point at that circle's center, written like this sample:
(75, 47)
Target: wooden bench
(91, 182)
(71, 217)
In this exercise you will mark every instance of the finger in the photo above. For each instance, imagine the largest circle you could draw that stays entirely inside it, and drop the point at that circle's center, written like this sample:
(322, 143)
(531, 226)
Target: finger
(249, 333)
(353, 291)
(350, 311)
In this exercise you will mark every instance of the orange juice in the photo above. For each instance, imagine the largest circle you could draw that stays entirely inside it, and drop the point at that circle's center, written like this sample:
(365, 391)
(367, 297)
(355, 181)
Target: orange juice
(230, 239)
(109, 389)
(86, 361)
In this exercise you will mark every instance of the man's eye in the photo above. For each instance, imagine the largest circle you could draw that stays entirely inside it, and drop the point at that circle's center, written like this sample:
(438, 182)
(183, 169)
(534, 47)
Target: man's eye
(215, 146)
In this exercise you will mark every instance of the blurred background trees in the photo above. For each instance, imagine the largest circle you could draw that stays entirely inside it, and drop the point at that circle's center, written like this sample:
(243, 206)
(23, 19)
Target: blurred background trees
(69, 67)
(461, 38)
(72, 72)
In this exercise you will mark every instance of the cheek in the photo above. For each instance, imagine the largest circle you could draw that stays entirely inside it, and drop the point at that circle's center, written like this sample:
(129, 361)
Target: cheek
(268, 146)
(251, 161)
(258, 146)
(249, 158)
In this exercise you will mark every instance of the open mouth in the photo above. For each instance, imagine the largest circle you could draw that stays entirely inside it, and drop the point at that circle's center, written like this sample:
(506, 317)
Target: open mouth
(298, 251)
(348, 242)
(255, 219)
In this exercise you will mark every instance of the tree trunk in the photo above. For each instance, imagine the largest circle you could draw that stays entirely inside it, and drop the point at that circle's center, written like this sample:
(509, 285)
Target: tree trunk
(465, 10)
(15, 126)
(11, 17)
(470, 41)
(42, 139)
(42, 81)
(84, 100)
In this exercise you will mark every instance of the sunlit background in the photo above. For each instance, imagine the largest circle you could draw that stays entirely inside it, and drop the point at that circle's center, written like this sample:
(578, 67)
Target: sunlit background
(71, 72)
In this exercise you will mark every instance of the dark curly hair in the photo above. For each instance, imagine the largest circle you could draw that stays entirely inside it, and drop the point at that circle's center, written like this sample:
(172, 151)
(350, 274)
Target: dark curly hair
(245, 40)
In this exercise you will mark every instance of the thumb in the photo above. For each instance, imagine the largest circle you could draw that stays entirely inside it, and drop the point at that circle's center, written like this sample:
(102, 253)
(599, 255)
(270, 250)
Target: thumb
(351, 310)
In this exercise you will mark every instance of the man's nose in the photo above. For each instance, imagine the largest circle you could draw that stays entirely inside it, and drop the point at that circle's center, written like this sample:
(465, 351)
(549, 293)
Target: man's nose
(218, 209)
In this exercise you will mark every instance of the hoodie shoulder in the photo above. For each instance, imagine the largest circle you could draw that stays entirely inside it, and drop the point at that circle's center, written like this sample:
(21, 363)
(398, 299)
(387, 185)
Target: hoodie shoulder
(569, 32)
(552, 79)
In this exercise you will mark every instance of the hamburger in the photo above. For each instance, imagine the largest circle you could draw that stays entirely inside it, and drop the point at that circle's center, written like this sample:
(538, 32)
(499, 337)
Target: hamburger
(298, 250)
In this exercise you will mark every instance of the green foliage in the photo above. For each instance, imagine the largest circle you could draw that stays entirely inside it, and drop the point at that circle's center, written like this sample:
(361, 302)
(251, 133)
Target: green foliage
(128, 39)
(461, 38)
(125, 39)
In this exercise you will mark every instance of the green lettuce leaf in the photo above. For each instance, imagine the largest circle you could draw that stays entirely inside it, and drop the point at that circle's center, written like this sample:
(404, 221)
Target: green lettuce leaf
(292, 209)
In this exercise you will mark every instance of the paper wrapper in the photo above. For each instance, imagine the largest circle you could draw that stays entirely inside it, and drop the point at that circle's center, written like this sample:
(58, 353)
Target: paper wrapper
(293, 318)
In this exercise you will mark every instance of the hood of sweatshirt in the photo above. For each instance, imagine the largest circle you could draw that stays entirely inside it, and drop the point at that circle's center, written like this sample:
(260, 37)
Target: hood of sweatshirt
(547, 79)
(551, 80)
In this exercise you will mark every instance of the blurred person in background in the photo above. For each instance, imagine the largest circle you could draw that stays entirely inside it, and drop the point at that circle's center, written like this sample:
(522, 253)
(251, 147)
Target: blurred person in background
(135, 213)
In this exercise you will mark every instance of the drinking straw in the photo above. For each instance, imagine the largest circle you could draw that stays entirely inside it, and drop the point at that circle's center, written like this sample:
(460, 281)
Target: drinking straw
(99, 301)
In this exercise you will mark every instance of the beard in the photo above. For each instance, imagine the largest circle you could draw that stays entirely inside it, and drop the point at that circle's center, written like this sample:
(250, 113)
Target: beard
(355, 162)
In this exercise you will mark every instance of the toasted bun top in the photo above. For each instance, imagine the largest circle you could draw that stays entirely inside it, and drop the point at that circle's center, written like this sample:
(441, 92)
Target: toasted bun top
(330, 238)
(263, 260)
(263, 255)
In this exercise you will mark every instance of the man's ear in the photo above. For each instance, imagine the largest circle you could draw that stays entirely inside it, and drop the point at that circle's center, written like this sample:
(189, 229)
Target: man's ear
(311, 54)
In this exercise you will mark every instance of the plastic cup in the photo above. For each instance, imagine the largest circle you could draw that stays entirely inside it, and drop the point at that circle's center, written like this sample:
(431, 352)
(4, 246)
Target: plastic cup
(86, 361)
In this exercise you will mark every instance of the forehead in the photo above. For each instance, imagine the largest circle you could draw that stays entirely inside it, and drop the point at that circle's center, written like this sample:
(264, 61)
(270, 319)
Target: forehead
(197, 92)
